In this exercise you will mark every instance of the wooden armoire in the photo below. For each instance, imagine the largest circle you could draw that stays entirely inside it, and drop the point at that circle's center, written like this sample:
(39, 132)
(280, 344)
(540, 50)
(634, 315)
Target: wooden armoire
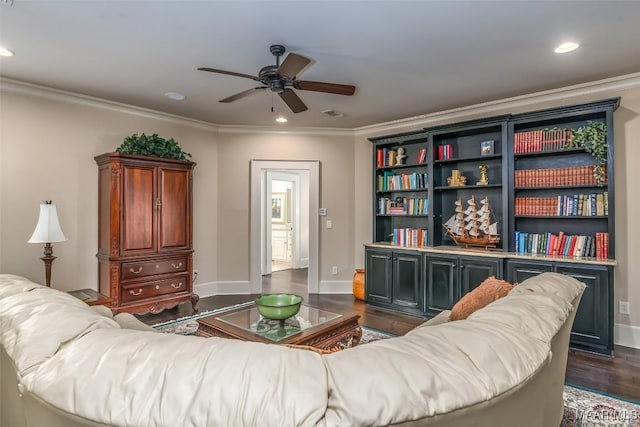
(145, 234)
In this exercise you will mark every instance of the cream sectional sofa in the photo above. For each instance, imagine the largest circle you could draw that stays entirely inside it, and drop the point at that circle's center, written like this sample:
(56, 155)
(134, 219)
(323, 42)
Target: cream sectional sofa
(64, 364)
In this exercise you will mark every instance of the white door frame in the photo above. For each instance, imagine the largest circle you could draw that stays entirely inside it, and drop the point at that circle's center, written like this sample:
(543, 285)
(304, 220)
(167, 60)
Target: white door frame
(258, 170)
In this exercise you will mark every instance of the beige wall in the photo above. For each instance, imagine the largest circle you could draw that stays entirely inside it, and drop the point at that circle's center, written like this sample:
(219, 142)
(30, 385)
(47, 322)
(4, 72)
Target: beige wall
(47, 148)
(47, 151)
(335, 154)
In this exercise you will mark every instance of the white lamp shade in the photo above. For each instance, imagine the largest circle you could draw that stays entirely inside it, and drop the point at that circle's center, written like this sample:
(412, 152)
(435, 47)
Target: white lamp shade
(48, 229)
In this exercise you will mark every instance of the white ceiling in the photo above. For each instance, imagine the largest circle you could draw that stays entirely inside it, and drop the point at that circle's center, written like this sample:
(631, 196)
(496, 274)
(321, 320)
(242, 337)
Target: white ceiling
(406, 58)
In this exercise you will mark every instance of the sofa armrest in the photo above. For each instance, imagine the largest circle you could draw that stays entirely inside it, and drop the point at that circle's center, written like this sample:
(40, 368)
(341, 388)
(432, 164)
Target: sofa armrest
(129, 321)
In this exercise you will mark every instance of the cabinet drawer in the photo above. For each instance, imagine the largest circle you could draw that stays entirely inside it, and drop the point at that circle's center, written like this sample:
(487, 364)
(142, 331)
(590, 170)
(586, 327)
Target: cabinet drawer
(135, 270)
(140, 291)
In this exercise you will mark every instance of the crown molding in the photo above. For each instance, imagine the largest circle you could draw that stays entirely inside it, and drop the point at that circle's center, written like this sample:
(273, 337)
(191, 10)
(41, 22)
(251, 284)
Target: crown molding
(30, 89)
(284, 131)
(594, 88)
(627, 81)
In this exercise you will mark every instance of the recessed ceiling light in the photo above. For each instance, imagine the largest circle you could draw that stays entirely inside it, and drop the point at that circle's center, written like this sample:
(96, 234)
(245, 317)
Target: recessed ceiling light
(566, 47)
(6, 52)
(281, 119)
(175, 96)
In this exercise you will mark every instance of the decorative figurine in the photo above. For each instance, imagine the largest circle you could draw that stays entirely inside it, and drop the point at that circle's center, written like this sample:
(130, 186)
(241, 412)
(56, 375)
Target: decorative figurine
(484, 179)
(400, 156)
(456, 180)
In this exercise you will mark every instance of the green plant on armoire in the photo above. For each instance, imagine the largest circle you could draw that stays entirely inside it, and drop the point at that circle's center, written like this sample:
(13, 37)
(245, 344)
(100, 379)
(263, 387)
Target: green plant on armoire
(153, 145)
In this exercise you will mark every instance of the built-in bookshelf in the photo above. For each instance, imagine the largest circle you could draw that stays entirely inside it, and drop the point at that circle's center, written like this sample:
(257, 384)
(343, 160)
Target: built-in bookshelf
(462, 152)
(401, 188)
(555, 190)
(550, 195)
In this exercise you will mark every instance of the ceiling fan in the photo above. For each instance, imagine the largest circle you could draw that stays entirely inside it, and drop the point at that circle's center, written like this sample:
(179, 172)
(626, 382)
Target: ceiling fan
(280, 78)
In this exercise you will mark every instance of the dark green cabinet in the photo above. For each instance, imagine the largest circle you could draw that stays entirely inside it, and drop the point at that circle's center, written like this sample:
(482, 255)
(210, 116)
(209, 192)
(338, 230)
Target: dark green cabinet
(450, 277)
(378, 276)
(395, 279)
(593, 325)
(518, 271)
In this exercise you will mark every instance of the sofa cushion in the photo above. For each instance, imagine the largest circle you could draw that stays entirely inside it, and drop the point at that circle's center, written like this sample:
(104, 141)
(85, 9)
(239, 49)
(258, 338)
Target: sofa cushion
(130, 378)
(429, 371)
(487, 292)
(35, 324)
(538, 306)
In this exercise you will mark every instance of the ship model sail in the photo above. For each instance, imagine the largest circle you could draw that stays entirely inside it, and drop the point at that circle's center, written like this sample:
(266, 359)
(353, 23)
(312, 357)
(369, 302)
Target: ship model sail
(473, 226)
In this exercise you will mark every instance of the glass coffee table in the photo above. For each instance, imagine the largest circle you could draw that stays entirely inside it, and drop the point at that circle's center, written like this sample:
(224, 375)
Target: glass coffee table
(313, 327)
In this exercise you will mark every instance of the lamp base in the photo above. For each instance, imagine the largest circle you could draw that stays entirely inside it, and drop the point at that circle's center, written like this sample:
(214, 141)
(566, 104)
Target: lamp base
(48, 260)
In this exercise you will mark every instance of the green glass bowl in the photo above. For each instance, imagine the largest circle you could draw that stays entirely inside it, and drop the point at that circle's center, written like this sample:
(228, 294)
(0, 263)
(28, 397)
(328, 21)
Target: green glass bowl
(278, 306)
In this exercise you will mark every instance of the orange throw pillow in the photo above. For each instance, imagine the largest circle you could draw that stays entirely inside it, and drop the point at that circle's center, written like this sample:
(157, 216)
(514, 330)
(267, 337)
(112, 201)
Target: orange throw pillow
(487, 292)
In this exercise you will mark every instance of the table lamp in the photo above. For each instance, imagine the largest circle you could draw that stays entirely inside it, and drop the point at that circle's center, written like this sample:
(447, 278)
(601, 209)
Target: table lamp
(48, 231)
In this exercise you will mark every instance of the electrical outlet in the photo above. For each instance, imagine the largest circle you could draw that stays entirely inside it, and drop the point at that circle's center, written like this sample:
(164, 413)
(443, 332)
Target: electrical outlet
(623, 307)
(329, 224)
(195, 275)
(334, 269)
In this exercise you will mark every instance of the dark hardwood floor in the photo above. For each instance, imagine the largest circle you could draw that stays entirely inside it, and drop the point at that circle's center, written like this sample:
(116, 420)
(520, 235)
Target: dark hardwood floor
(619, 376)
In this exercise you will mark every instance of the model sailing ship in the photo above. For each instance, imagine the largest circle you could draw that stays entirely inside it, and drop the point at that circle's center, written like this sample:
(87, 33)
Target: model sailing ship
(473, 226)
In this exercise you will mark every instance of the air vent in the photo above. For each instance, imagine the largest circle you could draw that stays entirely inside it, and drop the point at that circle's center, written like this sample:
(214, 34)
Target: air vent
(333, 113)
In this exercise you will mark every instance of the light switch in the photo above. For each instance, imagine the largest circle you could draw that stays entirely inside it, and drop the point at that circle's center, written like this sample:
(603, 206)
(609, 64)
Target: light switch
(329, 224)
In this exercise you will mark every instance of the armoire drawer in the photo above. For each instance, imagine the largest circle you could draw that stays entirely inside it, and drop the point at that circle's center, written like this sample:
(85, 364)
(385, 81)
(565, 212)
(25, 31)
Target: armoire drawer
(136, 269)
(138, 291)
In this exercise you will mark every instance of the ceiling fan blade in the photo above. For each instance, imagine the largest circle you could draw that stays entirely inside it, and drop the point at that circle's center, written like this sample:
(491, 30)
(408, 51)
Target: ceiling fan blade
(242, 94)
(292, 65)
(324, 87)
(230, 73)
(293, 101)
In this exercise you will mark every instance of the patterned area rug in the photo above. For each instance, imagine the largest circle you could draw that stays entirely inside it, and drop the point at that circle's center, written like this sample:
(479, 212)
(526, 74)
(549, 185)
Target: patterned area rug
(583, 408)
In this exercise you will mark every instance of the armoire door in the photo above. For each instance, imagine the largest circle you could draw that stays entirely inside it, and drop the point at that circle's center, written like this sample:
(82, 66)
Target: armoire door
(173, 209)
(138, 225)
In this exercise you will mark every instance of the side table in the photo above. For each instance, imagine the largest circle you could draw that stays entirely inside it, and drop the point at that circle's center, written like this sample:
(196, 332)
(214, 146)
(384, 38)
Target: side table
(91, 297)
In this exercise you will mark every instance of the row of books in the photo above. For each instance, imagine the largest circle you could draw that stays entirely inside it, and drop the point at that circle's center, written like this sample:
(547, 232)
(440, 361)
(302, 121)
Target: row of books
(562, 244)
(407, 181)
(386, 157)
(580, 175)
(410, 237)
(418, 206)
(542, 140)
(594, 204)
(443, 152)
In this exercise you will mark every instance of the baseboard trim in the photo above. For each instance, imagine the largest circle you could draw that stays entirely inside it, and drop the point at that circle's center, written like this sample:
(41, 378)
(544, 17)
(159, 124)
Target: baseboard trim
(222, 288)
(626, 335)
(335, 287)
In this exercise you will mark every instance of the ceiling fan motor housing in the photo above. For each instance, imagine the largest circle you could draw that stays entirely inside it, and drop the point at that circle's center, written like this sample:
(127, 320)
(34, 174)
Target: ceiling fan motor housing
(269, 76)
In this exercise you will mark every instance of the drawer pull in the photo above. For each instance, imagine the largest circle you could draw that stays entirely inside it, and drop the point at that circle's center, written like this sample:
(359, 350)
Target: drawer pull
(134, 293)
(138, 271)
(178, 286)
(176, 266)
(157, 287)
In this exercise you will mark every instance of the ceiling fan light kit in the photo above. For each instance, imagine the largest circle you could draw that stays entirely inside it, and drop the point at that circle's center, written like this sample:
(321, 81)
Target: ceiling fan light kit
(281, 78)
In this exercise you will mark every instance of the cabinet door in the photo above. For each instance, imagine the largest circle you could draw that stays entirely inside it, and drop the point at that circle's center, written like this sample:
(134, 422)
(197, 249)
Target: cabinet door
(593, 323)
(474, 271)
(442, 284)
(173, 209)
(138, 223)
(378, 276)
(407, 289)
(518, 272)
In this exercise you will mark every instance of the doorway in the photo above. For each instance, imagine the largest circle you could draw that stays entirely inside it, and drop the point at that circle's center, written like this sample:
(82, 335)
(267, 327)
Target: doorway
(269, 210)
(288, 231)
